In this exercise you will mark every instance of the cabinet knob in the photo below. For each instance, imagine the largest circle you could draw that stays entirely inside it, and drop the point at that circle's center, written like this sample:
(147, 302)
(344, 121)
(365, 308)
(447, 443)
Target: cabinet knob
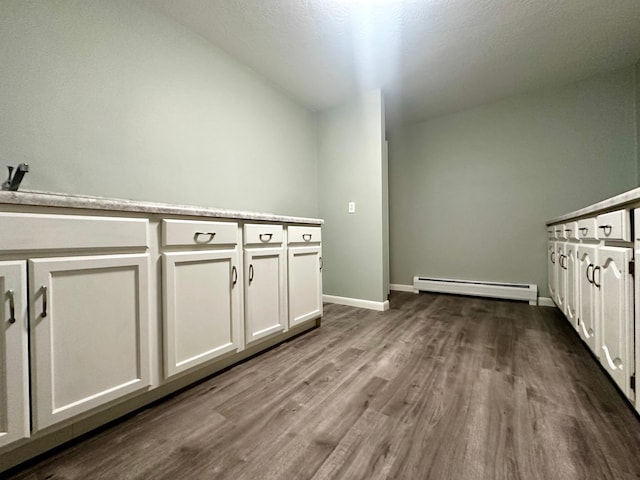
(12, 307)
(207, 234)
(44, 301)
(590, 267)
(606, 229)
(596, 269)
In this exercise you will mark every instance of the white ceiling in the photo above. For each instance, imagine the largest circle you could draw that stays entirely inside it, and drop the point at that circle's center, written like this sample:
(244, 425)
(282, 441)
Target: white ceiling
(428, 56)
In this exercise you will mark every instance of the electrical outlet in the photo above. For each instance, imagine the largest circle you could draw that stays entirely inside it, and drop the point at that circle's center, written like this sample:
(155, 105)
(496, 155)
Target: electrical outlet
(352, 207)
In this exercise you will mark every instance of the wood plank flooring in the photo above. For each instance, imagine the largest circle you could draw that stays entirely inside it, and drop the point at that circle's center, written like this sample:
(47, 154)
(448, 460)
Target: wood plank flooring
(439, 387)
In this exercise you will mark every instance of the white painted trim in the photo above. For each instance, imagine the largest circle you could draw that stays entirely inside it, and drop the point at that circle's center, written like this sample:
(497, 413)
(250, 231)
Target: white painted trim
(398, 287)
(545, 302)
(356, 302)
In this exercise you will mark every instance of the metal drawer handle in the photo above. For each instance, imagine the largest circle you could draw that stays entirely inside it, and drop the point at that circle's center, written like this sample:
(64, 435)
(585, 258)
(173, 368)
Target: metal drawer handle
(559, 230)
(234, 275)
(590, 266)
(584, 231)
(321, 263)
(44, 301)
(596, 269)
(606, 229)
(268, 236)
(209, 234)
(553, 256)
(568, 230)
(12, 307)
(306, 237)
(250, 273)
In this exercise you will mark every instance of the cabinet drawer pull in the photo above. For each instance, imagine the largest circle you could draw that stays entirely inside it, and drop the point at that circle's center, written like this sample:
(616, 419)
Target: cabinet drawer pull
(559, 230)
(306, 237)
(606, 229)
(321, 263)
(584, 231)
(208, 234)
(268, 236)
(596, 269)
(44, 301)
(250, 273)
(234, 275)
(590, 266)
(553, 257)
(12, 307)
(568, 230)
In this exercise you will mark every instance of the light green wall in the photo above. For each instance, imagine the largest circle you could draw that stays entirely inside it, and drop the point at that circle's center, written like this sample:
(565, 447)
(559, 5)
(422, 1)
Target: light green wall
(109, 98)
(350, 168)
(637, 81)
(470, 192)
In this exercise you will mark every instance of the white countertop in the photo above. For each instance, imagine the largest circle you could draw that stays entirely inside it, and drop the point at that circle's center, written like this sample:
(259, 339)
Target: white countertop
(48, 199)
(619, 201)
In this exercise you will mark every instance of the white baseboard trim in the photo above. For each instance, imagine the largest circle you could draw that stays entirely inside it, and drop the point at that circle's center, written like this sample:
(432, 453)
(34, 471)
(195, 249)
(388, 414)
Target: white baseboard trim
(545, 302)
(398, 287)
(356, 302)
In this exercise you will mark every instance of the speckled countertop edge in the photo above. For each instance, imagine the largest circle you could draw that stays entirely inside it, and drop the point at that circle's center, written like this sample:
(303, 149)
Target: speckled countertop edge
(622, 200)
(49, 199)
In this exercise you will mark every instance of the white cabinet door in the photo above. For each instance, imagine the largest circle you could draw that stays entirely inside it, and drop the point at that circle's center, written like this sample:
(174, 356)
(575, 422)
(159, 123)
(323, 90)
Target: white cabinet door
(616, 314)
(561, 277)
(201, 307)
(551, 269)
(588, 297)
(305, 284)
(571, 292)
(89, 332)
(265, 292)
(14, 376)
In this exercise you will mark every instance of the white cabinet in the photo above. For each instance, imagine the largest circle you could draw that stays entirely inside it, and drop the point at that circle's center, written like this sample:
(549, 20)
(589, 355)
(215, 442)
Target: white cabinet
(561, 277)
(265, 282)
(201, 307)
(305, 274)
(588, 297)
(14, 375)
(88, 320)
(201, 294)
(612, 277)
(552, 271)
(88, 331)
(571, 283)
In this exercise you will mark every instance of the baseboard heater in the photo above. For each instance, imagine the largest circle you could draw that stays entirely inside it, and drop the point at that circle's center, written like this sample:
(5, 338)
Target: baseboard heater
(509, 291)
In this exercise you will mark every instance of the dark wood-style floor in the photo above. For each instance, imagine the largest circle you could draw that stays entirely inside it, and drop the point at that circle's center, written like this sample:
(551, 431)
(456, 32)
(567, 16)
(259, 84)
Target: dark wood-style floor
(439, 387)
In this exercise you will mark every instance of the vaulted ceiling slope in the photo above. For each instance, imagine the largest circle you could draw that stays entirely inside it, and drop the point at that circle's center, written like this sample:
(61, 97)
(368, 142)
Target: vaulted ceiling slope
(429, 56)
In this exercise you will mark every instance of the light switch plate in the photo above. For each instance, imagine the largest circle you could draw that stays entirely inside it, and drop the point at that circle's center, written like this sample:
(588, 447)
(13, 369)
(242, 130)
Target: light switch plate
(352, 207)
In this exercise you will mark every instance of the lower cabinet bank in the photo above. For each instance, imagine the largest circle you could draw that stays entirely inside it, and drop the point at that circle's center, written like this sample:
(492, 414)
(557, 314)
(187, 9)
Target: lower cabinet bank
(592, 280)
(103, 312)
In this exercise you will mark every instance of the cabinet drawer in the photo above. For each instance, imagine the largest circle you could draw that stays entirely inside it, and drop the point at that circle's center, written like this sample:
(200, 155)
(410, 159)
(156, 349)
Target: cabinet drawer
(304, 234)
(26, 231)
(191, 232)
(571, 230)
(559, 231)
(587, 229)
(614, 225)
(551, 232)
(263, 234)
